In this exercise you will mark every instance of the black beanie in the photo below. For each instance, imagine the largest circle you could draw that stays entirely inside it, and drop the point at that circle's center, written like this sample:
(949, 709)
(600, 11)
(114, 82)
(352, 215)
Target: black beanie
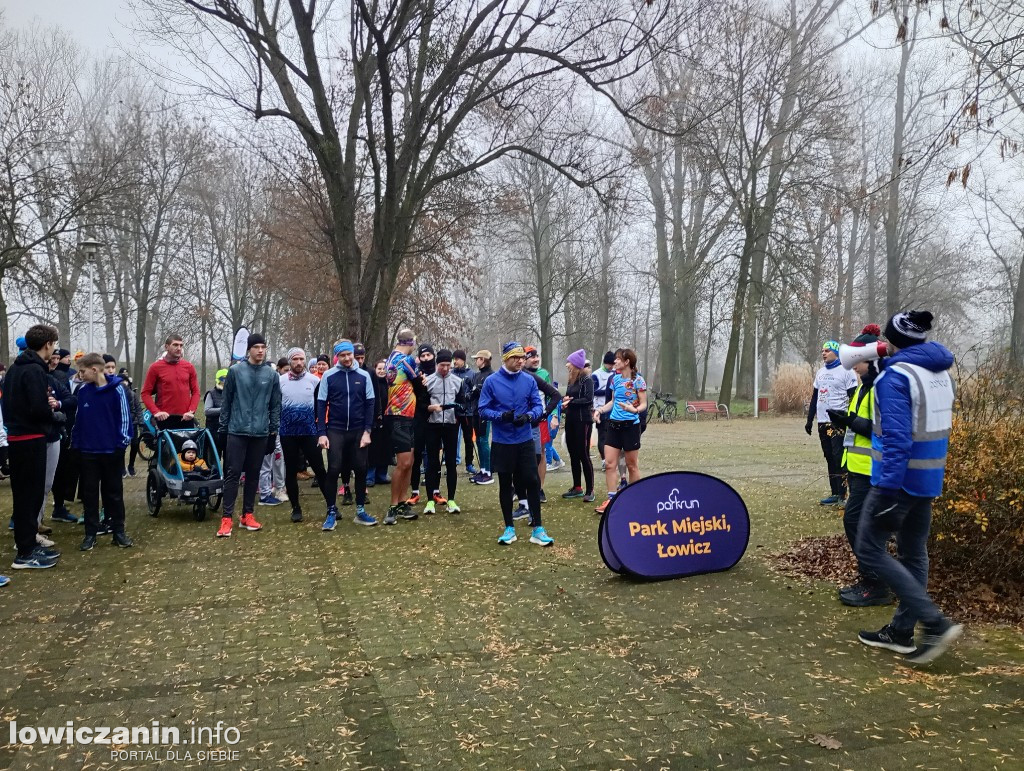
(908, 328)
(458, 353)
(255, 339)
(108, 359)
(359, 349)
(444, 355)
(609, 358)
(425, 348)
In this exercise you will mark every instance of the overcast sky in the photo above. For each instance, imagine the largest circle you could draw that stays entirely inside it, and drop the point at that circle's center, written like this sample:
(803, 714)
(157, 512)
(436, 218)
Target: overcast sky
(96, 24)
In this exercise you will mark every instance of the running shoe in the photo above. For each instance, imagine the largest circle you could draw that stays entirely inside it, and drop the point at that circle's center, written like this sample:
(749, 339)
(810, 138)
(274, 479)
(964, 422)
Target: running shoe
(33, 561)
(296, 514)
(42, 540)
(331, 521)
(248, 521)
(601, 509)
(439, 499)
(269, 500)
(4, 580)
(573, 492)
(453, 507)
(346, 498)
(405, 511)
(472, 470)
(429, 508)
(588, 497)
(123, 540)
(61, 514)
(362, 518)
(485, 478)
(521, 513)
(391, 518)
(225, 527)
(541, 538)
(508, 537)
(413, 499)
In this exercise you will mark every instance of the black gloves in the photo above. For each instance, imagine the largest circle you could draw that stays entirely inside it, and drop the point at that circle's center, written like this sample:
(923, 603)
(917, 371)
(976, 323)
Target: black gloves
(521, 420)
(508, 416)
(807, 428)
(271, 444)
(839, 418)
(885, 509)
(59, 418)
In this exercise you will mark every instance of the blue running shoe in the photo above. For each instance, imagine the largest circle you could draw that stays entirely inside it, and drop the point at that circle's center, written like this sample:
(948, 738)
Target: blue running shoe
(472, 470)
(830, 501)
(521, 513)
(269, 500)
(508, 537)
(63, 515)
(4, 580)
(34, 562)
(362, 518)
(332, 519)
(541, 538)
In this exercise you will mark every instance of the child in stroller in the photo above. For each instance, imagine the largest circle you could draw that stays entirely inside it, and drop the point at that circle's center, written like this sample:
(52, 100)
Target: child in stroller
(193, 466)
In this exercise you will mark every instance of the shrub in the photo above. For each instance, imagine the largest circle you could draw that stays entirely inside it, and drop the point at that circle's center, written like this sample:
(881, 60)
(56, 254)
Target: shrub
(978, 523)
(791, 388)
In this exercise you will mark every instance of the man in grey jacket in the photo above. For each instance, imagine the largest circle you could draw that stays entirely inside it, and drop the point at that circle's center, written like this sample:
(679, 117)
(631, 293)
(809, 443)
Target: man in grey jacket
(250, 416)
(447, 399)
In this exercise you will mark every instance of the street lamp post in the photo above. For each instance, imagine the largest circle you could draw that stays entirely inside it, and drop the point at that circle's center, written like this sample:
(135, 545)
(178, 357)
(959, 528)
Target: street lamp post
(89, 249)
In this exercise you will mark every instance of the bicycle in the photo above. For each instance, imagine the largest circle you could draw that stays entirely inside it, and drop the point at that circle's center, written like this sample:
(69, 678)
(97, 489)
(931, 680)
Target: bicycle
(664, 407)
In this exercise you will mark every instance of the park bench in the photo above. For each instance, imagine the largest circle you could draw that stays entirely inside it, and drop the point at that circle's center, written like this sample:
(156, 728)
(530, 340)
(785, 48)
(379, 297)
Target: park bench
(707, 408)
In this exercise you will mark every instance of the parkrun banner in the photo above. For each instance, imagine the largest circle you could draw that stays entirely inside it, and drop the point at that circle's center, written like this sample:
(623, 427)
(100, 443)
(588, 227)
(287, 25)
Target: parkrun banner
(676, 524)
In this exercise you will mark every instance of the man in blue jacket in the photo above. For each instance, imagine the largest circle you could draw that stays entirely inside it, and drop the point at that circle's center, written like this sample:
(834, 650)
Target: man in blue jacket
(913, 414)
(344, 418)
(103, 429)
(509, 399)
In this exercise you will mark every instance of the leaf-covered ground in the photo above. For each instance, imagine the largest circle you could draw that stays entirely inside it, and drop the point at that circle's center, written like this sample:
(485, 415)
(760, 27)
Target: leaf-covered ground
(427, 645)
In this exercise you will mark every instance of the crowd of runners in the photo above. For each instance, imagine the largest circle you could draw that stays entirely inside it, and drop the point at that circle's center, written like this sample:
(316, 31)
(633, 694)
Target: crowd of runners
(71, 429)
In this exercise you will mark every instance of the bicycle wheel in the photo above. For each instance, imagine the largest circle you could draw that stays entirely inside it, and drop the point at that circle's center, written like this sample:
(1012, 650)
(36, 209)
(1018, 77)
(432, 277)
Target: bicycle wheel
(147, 446)
(669, 413)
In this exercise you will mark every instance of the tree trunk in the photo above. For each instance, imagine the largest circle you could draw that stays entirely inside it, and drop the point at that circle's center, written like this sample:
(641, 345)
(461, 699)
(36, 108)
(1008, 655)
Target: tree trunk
(5, 334)
(737, 313)
(893, 252)
(1016, 323)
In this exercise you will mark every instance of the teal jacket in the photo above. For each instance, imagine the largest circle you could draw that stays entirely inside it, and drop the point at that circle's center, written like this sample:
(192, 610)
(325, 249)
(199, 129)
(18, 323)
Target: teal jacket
(251, 404)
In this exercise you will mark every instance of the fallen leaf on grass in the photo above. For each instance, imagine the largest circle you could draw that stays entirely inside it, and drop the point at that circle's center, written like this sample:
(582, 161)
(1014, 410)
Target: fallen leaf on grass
(828, 742)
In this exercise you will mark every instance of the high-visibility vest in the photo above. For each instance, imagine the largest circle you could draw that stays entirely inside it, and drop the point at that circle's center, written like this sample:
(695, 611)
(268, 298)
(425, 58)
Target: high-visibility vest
(857, 448)
(931, 418)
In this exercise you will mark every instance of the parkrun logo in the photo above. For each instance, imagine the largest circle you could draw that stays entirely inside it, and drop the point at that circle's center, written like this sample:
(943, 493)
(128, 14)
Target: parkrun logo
(672, 503)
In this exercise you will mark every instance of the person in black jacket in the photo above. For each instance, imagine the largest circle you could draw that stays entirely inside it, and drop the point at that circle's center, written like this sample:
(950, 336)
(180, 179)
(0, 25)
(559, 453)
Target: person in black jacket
(380, 441)
(65, 480)
(28, 410)
(464, 373)
(427, 366)
(481, 427)
(577, 407)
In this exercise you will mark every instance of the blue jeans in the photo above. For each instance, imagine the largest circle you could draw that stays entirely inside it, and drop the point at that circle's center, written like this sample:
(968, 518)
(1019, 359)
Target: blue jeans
(906, 574)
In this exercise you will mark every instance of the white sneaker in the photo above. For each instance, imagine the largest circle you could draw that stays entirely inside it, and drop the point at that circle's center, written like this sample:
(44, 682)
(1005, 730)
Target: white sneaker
(552, 466)
(42, 540)
(281, 494)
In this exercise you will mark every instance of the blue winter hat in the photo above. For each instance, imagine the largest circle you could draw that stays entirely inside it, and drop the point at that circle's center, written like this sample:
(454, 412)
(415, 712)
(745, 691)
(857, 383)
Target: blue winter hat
(510, 349)
(831, 345)
(22, 345)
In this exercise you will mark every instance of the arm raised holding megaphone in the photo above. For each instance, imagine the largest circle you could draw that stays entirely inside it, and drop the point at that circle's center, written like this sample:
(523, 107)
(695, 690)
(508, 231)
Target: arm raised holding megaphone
(852, 354)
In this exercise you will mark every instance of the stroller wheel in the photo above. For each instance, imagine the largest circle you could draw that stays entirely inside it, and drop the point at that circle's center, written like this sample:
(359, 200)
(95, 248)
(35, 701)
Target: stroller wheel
(199, 511)
(214, 503)
(154, 492)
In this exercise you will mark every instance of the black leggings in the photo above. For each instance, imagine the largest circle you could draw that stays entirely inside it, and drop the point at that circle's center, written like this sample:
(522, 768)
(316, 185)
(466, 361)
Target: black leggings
(418, 450)
(297, 451)
(524, 477)
(245, 456)
(345, 454)
(442, 436)
(577, 439)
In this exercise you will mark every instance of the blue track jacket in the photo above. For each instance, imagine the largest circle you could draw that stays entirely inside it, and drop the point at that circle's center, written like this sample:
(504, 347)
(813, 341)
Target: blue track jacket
(344, 400)
(504, 391)
(104, 420)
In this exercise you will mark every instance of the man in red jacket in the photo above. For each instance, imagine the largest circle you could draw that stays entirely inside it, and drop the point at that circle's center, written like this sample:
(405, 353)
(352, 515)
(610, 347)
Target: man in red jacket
(171, 388)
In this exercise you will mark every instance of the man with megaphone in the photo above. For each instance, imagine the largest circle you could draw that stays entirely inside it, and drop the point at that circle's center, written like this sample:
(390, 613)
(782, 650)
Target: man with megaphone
(833, 388)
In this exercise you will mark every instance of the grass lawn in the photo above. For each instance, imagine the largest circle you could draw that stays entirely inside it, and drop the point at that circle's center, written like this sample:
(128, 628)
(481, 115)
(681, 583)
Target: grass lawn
(428, 645)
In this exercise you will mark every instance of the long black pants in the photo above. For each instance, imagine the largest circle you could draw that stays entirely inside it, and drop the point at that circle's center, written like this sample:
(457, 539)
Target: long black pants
(860, 486)
(419, 449)
(65, 481)
(345, 454)
(442, 436)
(831, 437)
(577, 439)
(101, 477)
(516, 467)
(28, 484)
(602, 431)
(298, 450)
(245, 455)
(466, 424)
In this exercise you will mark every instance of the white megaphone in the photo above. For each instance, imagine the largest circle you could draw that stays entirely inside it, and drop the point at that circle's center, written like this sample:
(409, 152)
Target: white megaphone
(852, 354)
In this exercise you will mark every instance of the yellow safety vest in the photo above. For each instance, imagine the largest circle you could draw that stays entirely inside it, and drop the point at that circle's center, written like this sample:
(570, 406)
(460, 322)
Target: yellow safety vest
(857, 448)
